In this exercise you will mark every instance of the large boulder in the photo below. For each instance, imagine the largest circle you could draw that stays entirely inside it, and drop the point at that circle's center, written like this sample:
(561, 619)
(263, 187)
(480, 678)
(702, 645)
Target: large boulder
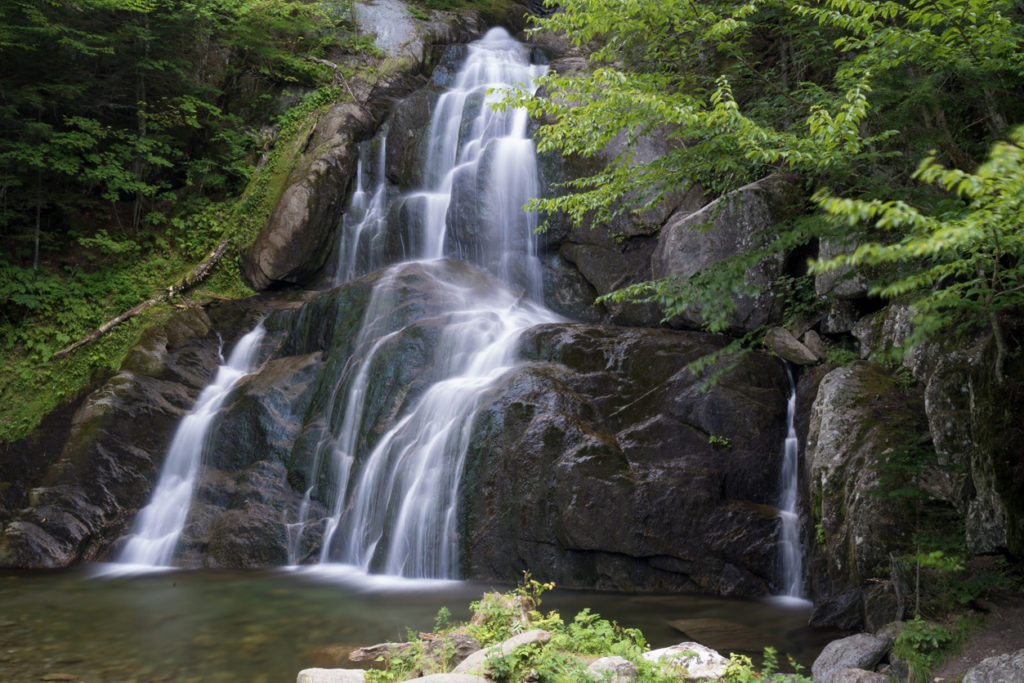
(858, 415)
(860, 651)
(743, 220)
(611, 419)
(294, 244)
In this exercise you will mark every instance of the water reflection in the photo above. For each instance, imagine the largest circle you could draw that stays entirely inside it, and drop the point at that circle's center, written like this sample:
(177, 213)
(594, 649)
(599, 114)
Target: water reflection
(266, 626)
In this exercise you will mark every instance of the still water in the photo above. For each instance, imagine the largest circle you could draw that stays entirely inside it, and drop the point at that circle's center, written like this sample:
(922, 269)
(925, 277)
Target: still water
(266, 626)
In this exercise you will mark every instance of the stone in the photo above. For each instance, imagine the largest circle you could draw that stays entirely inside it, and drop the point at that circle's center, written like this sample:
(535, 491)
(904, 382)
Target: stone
(371, 653)
(999, 669)
(452, 649)
(613, 415)
(116, 442)
(843, 611)
(860, 651)
(844, 282)
(293, 245)
(858, 414)
(331, 676)
(785, 345)
(692, 660)
(812, 340)
(614, 669)
(853, 675)
(741, 220)
(881, 606)
(475, 663)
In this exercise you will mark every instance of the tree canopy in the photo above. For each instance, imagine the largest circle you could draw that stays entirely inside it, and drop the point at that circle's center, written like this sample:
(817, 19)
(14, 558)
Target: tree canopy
(850, 93)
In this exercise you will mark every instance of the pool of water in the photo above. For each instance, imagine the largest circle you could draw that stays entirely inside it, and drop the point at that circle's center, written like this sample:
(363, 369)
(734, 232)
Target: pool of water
(266, 626)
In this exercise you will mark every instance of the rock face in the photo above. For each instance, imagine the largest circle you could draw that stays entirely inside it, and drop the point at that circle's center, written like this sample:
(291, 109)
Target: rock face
(294, 244)
(115, 446)
(858, 414)
(741, 220)
(611, 419)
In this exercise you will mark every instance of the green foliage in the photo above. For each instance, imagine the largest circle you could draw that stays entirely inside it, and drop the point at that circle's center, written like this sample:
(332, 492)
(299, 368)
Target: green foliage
(125, 138)
(742, 670)
(848, 92)
(966, 266)
(921, 643)
(723, 441)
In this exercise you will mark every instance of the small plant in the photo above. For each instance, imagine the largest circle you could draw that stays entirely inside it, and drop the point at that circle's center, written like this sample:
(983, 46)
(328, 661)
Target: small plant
(921, 643)
(742, 670)
(722, 441)
(443, 620)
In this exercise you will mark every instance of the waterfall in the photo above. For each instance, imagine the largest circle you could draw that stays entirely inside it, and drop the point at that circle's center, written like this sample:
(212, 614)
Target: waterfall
(789, 537)
(155, 531)
(394, 504)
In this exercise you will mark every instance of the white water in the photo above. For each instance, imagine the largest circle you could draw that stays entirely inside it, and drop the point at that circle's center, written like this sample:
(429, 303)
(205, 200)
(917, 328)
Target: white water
(789, 537)
(394, 508)
(156, 530)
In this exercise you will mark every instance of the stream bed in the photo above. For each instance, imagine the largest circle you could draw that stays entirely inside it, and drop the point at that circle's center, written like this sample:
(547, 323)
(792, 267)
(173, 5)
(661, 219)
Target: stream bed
(267, 625)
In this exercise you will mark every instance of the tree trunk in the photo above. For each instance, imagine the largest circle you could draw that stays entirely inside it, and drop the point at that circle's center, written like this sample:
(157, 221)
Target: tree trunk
(198, 274)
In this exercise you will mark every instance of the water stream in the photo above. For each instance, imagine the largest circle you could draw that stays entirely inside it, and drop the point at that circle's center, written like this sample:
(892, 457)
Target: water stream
(157, 527)
(791, 556)
(395, 504)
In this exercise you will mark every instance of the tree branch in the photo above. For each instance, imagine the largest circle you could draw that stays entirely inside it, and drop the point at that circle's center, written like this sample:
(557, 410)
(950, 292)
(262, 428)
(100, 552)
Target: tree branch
(198, 274)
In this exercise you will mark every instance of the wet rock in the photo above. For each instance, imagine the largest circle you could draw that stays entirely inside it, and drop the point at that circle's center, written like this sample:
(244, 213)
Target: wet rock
(293, 246)
(115, 445)
(1006, 667)
(860, 651)
(613, 416)
(405, 154)
(742, 220)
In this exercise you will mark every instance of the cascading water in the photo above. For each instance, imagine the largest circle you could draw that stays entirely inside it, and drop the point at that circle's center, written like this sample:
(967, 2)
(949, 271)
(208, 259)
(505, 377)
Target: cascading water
(156, 530)
(395, 504)
(792, 565)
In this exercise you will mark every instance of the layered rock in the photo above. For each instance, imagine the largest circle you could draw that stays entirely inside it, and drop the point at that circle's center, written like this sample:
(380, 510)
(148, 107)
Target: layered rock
(115, 445)
(606, 419)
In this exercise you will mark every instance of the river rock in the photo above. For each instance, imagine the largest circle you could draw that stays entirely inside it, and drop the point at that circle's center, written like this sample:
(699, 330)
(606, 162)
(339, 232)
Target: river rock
(691, 660)
(331, 676)
(852, 675)
(860, 651)
(475, 663)
(614, 669)
(610, 418)
(720, 634)
(741, 220)
(998, 669)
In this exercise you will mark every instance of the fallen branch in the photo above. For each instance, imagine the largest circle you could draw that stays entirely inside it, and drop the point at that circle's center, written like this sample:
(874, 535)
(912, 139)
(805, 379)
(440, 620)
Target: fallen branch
(198, 274)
